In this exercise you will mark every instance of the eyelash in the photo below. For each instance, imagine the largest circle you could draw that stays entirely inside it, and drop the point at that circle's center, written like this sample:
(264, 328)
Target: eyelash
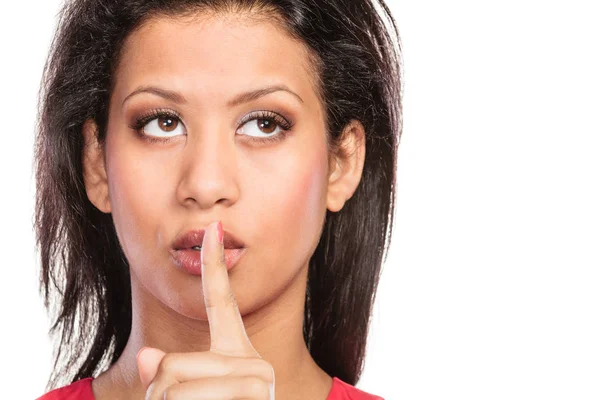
(282, 122)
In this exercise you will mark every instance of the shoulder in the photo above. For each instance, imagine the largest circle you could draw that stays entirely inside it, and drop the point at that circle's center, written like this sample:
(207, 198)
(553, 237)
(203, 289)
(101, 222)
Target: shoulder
(80, 390)
(341, 390)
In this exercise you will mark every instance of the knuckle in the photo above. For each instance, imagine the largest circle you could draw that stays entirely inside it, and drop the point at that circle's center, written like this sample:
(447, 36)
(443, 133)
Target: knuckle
(156, 390)
(265, 370)
(226, 300)
(221, 362)
(170, 393)
(223, 300)
(208, 302)
(231, 299)
(256, 387)
(166, 364)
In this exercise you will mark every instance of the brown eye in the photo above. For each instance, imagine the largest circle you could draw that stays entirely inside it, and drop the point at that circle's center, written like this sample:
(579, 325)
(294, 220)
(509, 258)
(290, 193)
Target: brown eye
(167, 123)
(266, 125)
(158, 124)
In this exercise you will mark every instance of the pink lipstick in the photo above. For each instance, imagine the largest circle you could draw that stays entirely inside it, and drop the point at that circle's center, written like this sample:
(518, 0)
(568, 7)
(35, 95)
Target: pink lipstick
(189, 259)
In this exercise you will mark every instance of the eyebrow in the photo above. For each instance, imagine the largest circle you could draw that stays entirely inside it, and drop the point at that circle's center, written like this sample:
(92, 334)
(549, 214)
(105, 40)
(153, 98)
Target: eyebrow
(237, 100)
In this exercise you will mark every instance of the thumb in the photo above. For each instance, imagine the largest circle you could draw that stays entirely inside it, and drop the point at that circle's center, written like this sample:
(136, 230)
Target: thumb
(148, 360)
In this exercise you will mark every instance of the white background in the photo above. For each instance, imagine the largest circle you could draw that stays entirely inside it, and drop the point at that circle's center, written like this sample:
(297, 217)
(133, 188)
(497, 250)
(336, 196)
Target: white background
(491, 288)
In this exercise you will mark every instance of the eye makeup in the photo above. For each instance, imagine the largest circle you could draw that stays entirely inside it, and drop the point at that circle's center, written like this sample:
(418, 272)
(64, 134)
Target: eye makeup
(268, 116)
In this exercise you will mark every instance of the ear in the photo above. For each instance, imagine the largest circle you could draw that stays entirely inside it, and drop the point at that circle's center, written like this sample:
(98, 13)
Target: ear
(346, 166)
(94, 172)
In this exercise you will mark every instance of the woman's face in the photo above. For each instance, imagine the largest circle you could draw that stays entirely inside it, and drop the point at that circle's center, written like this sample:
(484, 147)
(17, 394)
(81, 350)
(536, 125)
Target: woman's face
(272, 195)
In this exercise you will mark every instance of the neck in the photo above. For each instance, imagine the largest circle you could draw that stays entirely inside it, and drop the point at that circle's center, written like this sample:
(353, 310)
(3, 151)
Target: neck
(275, 330)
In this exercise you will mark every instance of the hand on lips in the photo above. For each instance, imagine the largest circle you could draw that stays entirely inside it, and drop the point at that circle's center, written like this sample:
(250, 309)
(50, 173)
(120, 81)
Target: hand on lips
(185, 249)
(232, 368)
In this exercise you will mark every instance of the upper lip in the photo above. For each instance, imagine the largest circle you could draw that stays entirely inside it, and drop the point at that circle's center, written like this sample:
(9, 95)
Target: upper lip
(194, 237)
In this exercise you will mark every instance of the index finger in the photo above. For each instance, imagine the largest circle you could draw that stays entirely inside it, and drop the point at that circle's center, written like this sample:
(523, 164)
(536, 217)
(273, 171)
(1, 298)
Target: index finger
(227, 332)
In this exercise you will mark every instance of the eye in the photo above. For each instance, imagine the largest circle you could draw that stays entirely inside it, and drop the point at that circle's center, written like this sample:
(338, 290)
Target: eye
(261, 125)
(258, 126)
(265, 126)
(156, 123)
(162, 124)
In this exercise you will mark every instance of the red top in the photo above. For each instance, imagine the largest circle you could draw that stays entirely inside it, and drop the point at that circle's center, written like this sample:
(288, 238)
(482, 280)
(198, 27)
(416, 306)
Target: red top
(82, 390)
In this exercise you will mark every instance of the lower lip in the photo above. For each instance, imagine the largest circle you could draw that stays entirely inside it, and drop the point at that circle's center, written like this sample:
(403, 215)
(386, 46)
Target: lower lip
(189, 260)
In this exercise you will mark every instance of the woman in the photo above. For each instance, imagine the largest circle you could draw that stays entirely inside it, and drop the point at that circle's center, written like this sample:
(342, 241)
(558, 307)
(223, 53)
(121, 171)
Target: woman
(215, 194)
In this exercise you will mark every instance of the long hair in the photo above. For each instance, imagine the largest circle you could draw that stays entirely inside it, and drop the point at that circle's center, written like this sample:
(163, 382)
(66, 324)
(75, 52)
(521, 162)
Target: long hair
(355, 48)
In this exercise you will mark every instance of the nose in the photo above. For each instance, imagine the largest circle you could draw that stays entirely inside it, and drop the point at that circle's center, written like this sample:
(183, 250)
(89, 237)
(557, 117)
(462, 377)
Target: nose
(208, 167)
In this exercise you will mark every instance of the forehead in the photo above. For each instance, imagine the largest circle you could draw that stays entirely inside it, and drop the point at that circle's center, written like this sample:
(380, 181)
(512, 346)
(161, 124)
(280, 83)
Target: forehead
(213, 57)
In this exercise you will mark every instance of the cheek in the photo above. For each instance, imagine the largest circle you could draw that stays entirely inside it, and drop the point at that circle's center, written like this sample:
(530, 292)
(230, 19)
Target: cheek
(136, 199)
(298, 204)
(306, 194)
(288, 210)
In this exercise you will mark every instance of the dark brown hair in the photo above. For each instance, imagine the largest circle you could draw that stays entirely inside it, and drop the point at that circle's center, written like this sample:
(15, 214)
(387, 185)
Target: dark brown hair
(356, 49)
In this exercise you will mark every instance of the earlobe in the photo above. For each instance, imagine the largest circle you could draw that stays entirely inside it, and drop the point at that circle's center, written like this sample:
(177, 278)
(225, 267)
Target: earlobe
(94, 171)
(346, 166)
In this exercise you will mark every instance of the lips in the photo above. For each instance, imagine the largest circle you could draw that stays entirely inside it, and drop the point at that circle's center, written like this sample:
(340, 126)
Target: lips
(190, 261)
(192, 238)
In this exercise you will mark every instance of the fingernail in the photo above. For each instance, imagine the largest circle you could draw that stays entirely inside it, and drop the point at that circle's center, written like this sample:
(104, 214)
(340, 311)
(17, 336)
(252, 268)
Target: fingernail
(220, 232)
(139, 352)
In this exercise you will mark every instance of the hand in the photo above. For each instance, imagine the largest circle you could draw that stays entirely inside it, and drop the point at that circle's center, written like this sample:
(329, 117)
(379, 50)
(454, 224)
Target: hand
(232, 368)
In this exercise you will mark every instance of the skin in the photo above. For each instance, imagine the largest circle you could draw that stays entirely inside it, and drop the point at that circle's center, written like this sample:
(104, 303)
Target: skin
(273, 196)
